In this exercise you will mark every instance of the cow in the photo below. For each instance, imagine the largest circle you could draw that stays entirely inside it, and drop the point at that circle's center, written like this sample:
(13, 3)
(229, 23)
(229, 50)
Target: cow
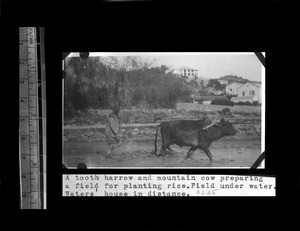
(196, 134)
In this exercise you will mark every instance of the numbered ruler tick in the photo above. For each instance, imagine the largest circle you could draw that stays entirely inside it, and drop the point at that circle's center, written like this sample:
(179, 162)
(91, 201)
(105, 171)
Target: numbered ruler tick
(28, 121)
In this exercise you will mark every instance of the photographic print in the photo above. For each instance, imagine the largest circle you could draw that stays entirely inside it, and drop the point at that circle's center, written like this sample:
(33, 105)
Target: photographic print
(162, 110)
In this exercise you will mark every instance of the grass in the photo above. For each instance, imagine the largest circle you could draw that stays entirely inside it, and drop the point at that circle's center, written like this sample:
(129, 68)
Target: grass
(144, 116)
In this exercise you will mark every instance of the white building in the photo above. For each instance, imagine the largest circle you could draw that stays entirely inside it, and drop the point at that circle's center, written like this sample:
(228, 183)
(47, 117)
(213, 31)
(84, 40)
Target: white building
(231, 89)
(186, 71)
(248, 92)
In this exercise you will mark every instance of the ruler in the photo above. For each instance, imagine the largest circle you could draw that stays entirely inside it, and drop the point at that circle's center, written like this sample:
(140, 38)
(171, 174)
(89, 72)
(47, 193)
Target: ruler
(32, 118)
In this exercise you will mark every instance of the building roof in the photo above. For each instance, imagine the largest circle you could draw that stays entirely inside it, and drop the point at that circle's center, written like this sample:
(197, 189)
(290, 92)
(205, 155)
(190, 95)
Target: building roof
(256, 84)
(243, 97)
(209, 97)
(253, 84)
(235, 83)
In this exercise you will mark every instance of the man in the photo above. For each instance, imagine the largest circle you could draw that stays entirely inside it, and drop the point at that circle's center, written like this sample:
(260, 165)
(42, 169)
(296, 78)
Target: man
(112, 129)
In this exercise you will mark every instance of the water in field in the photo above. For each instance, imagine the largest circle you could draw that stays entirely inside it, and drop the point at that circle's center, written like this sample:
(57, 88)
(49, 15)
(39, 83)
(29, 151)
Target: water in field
(226, 153)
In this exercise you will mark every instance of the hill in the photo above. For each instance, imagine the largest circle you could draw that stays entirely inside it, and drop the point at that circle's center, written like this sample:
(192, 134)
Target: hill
(233, 78)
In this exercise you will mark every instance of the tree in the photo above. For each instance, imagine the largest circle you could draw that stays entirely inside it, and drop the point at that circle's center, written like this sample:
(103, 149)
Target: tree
(214, 83)
(107, 82)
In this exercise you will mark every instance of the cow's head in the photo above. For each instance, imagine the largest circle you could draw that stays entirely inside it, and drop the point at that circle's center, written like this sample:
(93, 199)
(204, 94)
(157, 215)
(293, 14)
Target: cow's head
(226, 128)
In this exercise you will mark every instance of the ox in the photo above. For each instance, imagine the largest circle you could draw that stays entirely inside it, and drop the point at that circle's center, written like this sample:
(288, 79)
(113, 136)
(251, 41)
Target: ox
(193, 133)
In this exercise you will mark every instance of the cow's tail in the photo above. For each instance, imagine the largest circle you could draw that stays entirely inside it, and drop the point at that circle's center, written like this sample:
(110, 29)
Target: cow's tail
(158, 126)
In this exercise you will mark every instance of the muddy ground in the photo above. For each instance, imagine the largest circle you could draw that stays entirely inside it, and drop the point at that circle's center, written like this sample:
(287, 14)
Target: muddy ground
(226, 153)
(84, 140)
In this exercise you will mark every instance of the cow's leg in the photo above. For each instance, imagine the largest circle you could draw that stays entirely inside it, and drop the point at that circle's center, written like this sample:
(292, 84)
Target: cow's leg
(207, 152)
(190, 152)
(170, 148)
(163, 146)
(163, 149)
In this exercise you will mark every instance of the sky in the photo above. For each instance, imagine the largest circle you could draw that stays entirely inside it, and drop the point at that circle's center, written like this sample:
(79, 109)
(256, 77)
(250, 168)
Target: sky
(209, 65)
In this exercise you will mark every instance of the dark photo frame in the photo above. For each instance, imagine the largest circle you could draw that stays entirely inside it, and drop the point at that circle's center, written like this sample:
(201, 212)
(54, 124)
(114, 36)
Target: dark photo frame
(153, 27)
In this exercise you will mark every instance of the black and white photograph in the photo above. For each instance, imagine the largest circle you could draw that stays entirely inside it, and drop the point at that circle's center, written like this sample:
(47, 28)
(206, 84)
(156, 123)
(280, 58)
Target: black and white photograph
(163, 110)
(149, 115)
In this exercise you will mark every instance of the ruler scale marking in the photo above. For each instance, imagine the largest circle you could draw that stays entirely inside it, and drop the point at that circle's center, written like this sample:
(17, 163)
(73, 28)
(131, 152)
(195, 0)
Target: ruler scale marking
(32, 130)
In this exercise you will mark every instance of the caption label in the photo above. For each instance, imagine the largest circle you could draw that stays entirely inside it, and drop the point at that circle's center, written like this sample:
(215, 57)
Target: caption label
(167, 185)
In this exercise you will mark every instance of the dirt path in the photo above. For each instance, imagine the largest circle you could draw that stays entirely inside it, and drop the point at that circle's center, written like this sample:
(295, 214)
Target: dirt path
(103, 126)
(226, 153)
(137, 125)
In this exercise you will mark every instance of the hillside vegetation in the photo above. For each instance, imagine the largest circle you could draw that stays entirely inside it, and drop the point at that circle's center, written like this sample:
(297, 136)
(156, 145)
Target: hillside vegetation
(105, 82)
(93, 83)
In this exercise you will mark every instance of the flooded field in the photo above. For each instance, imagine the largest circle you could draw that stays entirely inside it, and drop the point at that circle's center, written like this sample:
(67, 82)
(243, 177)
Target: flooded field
(85, 142)
(226, 152)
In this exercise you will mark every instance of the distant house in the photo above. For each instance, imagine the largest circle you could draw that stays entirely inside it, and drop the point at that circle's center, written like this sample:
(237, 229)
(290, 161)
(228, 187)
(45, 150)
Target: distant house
(232, 89)
(222, 81)
(207, 99)
(186, 71)
(248, 92)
